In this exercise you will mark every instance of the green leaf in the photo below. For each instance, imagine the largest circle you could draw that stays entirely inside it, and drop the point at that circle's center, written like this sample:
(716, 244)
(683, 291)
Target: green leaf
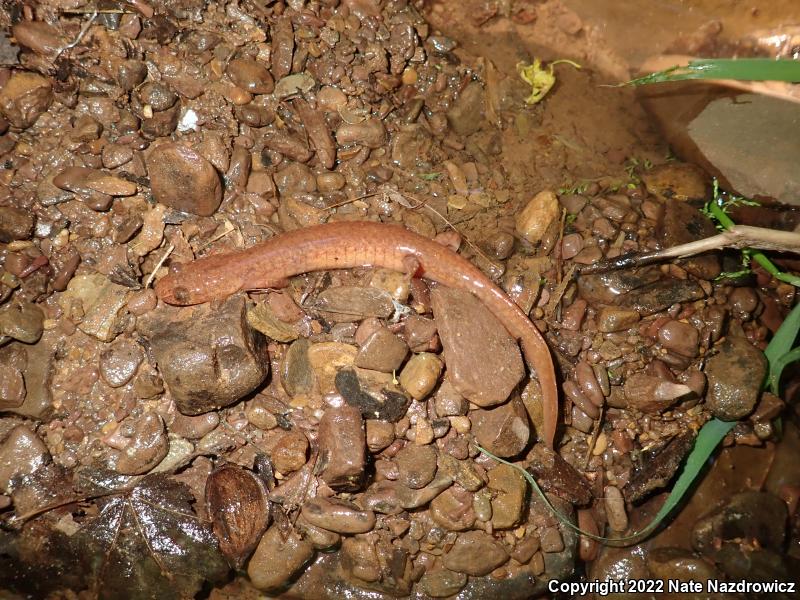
(781, 347)
(742, 69)
(707, 440)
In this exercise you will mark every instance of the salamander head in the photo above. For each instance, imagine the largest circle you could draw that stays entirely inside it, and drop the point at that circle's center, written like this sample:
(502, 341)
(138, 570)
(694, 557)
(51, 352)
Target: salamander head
(186, 285)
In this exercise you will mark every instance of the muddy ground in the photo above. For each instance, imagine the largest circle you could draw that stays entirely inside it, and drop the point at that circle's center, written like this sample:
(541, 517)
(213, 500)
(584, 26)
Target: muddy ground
(320, 440)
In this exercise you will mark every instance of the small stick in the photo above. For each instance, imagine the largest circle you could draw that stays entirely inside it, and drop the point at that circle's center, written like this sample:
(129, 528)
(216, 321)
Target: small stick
(738, 236)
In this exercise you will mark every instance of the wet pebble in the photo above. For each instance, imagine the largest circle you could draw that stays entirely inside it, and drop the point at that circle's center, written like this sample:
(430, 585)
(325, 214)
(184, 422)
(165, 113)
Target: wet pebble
(15, 224)
(453, 509)
(483, 361)
(509, 491)
(338, 516)
(342, 445)
(442, 583)
(23, 321)
(679, 564)
(184, 180)
(466, 114)
(503, 430)
(24, 97)
(382, 351)
(352, 303)
(652, 394)
(370, 133)
(116, 155)
(12, 387)
(743, 301)
(610, 319)
(250, 75)
(118, 363)
(208, 359)
(193, 427)
(416, 465)
(277, 558)
(735, 374)
(448, 402)
(380, 434)
(142, 302)
(681, 338)
(590, 386)
(475, 553)
(532, 222)
(615, 508)
(22, 452)
(571, 245)
(420, 374)
(143, 443)
(289, 452)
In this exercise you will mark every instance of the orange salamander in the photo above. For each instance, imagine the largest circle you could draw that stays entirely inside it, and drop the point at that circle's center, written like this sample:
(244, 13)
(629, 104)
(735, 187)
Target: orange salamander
(345, 245)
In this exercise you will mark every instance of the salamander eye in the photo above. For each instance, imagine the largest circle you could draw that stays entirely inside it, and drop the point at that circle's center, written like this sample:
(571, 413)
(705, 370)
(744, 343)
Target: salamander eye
(182, 295)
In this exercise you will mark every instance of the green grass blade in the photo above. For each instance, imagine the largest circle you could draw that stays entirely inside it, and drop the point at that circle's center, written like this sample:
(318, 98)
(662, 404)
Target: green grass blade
(743, 69)
(776, 368)
(783, 340)
(707, 440)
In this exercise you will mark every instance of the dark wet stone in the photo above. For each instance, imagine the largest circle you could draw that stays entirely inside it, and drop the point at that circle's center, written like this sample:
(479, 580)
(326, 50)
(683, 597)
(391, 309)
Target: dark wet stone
(465, 116)
(606, 288)
(503, 430)
(184, 180)
(23, 321)
(119, 362)
(483, 361)
(680, 223)
(382, 351)
(24, 97)
(416, 465)
(735, 375)
(658, 468)
(21, 453)
(453, 509)
(37, 363)
(386, 405)
(442, 583)
(748, 516)
(353, 303)
(660, 295)
(342, 448)
(15, 224)
(475, 553)
(208, 358)
(557, 476)
(679, 564)
(297, 375)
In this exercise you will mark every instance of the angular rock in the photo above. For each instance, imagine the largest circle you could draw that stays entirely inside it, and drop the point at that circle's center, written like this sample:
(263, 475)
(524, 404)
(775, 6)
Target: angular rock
(612, 318)
(416, 465)
(537, 215)
(503, 430)
(382, 351)
(442, 583)
(289, 452)
(24, 97)
(119, 362)
(184, 180)
(483, 361)
(37, 364)
(21, 321)
(511, 489)
(453, 509)
(209, 359)
(655, 297)
(21, 453)
(342, 448)
(556, 475)
(375, 399)
(349, 303)
(278, 558)
(466, 114)
(15, 224)
(101, 301)
(475, 553)
(735, 375)
(680, 223)
(651, 394)
(658, 467)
